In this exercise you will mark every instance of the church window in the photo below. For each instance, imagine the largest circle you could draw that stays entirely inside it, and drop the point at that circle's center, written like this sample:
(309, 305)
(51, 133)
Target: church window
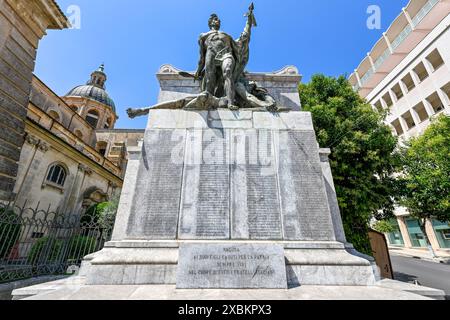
(108, 123)
(92, 118)
(57, 175)
(101, 147)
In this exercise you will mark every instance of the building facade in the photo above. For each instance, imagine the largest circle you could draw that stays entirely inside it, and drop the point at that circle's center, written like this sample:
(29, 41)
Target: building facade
(22, 24)
(407, 75)
(72, 157)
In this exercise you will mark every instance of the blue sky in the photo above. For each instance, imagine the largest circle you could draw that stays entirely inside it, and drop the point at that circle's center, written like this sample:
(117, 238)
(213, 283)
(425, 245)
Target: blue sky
(135, 37)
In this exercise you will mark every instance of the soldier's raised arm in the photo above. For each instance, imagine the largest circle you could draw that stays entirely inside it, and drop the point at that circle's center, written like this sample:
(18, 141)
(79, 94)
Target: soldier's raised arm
(251, 21)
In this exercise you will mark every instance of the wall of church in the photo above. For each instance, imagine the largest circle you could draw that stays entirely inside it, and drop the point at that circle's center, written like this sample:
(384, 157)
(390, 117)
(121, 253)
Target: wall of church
(22, 24)
(49, 102)
(114, 143)
(84, 179)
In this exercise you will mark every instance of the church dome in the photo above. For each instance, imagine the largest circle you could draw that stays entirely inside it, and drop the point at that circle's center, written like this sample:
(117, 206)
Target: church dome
(94, 89)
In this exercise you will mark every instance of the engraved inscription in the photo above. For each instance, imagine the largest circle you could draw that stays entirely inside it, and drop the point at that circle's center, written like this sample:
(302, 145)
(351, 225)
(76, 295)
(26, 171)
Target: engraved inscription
(231, 266)
(205, 212)
(256, 214)
(156, 202)
(306, 215)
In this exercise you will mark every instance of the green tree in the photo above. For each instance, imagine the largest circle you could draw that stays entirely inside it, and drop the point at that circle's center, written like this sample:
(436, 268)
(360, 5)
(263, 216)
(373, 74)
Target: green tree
(363, 157)
(383, 226)
(100, 213)
(426, 174)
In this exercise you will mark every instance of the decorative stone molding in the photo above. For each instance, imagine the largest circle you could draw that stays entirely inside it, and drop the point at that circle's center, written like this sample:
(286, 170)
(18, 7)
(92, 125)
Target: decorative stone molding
(44, 147)
(324, 154)
(32, 140)
(40, 15)
(113, 185)
(288, 70)
(288, 73)
(47, 184)
(168, 69)
(88, 171)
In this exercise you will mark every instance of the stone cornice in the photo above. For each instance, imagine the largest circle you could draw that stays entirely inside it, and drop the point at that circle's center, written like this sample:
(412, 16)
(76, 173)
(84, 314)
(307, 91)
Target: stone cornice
(286, 74)
(57, 18)
(39, 15)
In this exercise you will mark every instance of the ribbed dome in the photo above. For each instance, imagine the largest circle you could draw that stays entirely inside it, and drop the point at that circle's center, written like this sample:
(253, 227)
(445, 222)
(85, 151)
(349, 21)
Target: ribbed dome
(93, 92)
(94, 89)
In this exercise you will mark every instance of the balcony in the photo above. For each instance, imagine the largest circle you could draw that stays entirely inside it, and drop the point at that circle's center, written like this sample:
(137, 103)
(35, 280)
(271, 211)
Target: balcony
(399, 40)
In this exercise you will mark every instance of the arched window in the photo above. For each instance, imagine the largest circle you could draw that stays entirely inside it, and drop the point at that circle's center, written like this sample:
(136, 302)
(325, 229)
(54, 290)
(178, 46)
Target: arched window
(108, 123)
(92, 118)
(57, 175)
(54, 115)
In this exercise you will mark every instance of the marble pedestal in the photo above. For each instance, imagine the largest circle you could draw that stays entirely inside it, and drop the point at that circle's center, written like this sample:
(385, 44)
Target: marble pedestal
(226, 199)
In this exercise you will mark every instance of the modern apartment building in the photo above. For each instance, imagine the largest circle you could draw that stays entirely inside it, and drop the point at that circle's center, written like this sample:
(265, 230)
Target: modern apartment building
(407, 74)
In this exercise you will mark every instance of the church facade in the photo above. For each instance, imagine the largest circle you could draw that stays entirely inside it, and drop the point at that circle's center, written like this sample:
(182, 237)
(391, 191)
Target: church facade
(72, 157)
(23, 23)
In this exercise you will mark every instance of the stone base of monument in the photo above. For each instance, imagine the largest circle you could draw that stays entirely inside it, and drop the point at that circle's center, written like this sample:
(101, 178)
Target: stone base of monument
(228, 200)
(227, 265)
(75, 288)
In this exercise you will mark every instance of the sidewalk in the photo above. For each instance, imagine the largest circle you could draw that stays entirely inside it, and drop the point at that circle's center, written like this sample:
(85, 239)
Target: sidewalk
(422, 254)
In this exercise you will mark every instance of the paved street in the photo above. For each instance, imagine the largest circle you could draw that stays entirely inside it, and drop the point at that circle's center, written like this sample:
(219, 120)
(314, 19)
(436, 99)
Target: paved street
(429, 274)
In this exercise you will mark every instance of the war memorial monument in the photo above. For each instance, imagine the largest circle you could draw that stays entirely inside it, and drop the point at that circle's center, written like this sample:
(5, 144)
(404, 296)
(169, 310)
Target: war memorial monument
(229, 191)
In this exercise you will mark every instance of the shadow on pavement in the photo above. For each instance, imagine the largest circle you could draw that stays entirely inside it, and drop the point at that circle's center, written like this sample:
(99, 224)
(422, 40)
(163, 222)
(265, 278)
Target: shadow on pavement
(403, 277)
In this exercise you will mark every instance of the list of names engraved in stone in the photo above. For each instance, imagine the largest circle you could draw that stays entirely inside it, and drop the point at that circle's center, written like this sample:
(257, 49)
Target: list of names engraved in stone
(306, 214)
(213, 212)
(205, 212)
(264, 218)
(156, 203)
(255, 211)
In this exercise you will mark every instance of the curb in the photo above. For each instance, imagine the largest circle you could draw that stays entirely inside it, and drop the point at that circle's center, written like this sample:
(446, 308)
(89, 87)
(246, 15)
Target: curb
(436, 260)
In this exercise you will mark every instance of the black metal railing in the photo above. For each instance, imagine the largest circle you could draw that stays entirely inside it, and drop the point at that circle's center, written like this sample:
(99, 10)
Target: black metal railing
(36, 242)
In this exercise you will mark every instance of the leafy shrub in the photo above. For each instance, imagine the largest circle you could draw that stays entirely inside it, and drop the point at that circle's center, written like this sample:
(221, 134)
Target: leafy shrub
(384, 226)
(103, 213)
(48, 249)
(10, 227)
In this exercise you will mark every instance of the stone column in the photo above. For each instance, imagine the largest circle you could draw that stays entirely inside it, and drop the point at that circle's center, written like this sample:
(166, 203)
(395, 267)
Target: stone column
(112, 187)
(332, 197)
(404, 125)
(128, 190)
(74, 198)
(22, 24)
(428, 108)
(404, 232)
(23, 192)
(415, 116)
(33, 142)
(432, 235)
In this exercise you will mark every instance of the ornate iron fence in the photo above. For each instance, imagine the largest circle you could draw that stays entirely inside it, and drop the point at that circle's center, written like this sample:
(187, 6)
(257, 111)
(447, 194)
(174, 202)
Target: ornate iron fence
(36, 242)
